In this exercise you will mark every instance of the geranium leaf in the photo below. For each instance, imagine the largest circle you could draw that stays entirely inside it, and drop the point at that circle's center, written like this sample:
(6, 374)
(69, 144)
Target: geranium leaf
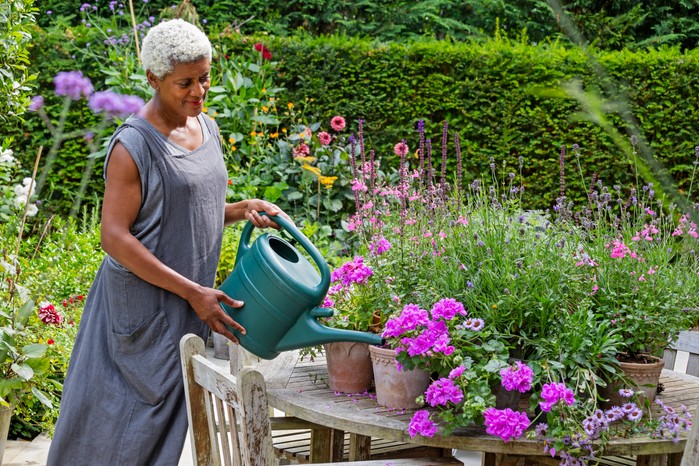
(35, 350)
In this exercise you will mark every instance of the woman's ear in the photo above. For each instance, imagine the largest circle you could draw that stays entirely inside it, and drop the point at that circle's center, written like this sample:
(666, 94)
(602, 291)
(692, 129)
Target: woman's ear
(153, 80)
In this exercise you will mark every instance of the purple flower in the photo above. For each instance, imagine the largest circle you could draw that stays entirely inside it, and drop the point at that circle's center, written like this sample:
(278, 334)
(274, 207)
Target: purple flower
(409, 319)
(456, 372)
(447, 308)
(36, 104)
(114, 105)
(72, 84)
(552, 393)
(422, 425)
(443, 391)
(380, 246)
(505, 423)
(353, 272)
(517, 377)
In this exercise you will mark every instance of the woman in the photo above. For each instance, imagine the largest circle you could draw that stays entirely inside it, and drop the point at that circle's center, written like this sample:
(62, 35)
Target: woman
(162, 219)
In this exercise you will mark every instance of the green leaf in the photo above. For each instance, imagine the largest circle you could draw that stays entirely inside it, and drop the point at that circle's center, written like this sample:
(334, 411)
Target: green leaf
(23, 370)
(34, 350)
(42, 397)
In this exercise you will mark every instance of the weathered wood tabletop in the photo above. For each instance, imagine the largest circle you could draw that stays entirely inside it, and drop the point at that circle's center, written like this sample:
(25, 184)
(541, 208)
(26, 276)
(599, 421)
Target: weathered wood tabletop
(298, 387)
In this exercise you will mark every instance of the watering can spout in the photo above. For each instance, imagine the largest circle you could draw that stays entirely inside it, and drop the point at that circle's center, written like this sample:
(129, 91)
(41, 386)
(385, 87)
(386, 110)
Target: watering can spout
(309, 332)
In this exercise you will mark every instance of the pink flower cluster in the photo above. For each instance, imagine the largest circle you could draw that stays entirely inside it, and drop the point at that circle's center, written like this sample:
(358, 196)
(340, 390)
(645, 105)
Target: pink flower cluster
(409, 319)
(354, 271)
(551, 393)
(379, 246)
(621, 250)
(505, 423)
(434, 335)
(517, 377)
(443, 391)
(421, 424)
(685, 223)
(49, 315)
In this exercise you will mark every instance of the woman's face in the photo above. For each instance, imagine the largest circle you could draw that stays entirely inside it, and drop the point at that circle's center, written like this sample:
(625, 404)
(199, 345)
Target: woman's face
(183, 92)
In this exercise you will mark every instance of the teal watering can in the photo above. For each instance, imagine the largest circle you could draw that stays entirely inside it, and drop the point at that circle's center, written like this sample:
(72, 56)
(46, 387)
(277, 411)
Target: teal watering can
(282, 292)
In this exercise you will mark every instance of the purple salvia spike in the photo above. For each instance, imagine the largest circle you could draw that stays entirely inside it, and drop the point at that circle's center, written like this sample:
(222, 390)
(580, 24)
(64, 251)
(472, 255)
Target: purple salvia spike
(459, 167)
(428, 162)
(443, 180)
(421, 131)
(562, 165)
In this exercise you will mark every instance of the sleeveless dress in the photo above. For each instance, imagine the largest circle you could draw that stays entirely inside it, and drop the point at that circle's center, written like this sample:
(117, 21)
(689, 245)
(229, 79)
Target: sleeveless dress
(123, 399)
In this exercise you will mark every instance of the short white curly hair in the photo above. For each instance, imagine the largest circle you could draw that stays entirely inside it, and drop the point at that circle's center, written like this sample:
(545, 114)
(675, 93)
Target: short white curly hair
(172, 42)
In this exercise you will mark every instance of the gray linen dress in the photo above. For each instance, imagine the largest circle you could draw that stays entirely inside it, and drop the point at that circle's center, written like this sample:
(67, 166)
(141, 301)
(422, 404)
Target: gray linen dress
(123, 399)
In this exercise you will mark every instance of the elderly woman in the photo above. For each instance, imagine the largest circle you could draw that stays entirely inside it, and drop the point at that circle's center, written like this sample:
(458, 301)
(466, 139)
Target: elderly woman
(163, 215)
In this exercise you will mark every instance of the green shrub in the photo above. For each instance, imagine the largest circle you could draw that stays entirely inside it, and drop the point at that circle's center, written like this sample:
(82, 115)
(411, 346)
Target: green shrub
(15, 75)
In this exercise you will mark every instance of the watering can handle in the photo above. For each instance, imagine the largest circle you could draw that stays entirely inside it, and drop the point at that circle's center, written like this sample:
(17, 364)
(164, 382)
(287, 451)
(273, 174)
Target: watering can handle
(244, 246)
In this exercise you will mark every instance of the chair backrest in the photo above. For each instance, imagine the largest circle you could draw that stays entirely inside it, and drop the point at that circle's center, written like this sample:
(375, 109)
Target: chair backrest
(687, 341)
(228, 416)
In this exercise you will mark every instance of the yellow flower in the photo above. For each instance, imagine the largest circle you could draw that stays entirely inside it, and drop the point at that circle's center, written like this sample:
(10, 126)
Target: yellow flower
(290, 105)
(205, 109)
(233, 149)
(274, 135)
(231, 140)
(260, 134)
(310, 168)
(302, 135)
(327, 181)
(265, 109)
(307, 159)
(264, 90)
(215, 113)
(253, 133)
(284, 130)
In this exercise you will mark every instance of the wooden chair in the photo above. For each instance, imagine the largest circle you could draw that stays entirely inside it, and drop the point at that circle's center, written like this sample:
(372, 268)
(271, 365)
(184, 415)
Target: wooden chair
(229, 416)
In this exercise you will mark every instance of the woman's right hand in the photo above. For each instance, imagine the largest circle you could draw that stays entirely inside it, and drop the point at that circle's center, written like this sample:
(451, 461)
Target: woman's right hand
(206, 302)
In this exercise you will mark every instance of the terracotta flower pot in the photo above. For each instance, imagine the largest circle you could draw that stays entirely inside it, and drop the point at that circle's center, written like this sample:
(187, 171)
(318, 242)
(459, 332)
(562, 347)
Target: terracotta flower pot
(396, 389)
(645, 375)
(349, 366)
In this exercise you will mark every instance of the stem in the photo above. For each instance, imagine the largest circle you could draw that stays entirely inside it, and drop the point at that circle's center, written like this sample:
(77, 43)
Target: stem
(318, 203)
(58, 139)
(135, 32)
(26, 204)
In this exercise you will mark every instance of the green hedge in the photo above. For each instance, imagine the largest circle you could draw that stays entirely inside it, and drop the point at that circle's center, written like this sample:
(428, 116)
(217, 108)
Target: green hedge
(489, 94)
(486, 92)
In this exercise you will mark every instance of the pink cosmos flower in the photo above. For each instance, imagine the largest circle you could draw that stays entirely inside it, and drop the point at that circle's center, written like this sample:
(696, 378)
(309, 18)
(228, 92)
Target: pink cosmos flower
(337, 123)
(324, 138)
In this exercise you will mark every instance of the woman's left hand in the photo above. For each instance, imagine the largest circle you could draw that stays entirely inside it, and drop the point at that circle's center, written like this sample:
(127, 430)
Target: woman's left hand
(255, 206)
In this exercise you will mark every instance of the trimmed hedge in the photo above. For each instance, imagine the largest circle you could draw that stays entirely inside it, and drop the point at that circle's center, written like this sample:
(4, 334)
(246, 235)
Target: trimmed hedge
(486, 92)
(489, 94)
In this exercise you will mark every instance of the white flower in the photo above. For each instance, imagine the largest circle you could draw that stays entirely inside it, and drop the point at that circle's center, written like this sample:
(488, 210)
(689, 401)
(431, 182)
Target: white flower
(6, 156)
(21, 191)
(20, 201)
(32, 210)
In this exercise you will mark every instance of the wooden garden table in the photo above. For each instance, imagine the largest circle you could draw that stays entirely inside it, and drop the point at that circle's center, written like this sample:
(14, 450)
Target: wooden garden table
(298, 388)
